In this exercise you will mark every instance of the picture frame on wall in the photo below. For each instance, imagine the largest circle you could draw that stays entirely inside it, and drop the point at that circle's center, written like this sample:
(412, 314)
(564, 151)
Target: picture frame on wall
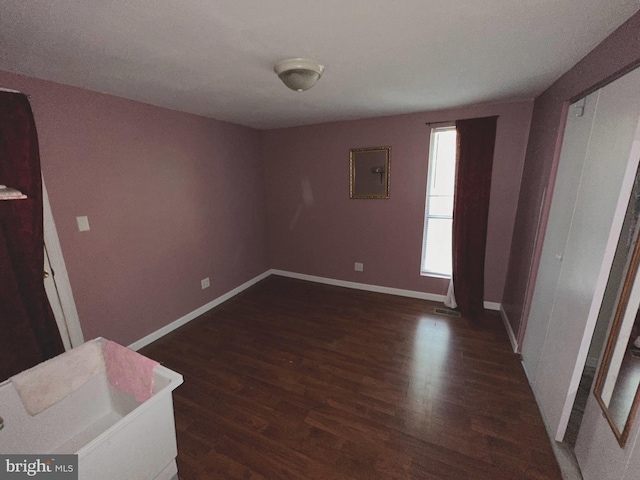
(369, 172)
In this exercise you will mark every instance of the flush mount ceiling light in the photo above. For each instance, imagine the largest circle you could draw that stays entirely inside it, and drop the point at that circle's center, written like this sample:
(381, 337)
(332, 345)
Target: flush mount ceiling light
(299, 74)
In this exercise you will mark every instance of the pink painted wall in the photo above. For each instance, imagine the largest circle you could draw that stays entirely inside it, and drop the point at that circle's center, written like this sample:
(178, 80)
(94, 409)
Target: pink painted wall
(620, 51)
(171, 198)
(315, 229)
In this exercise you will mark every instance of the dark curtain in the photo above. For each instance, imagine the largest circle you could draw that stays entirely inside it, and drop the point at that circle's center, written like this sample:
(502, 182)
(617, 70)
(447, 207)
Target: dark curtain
(475, 145)
(28, 331)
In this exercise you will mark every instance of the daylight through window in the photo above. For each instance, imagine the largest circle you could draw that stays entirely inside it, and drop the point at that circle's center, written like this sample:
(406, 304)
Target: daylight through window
(438, 218)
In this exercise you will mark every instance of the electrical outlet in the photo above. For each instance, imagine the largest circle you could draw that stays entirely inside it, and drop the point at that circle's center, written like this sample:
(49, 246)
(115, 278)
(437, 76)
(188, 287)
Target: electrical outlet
(358, 267)
(204, 283)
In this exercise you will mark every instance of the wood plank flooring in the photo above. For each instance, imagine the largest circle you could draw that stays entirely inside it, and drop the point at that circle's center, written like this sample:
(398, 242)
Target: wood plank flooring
(296, 380)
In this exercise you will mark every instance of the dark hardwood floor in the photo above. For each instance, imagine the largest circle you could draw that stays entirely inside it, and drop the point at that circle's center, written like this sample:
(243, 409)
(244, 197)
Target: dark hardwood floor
(296, 380)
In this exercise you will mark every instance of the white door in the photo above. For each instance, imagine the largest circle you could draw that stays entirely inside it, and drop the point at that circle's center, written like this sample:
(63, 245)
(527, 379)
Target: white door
(577, 251)
(56, 282)
(597, 449)
(54, 301)
(570, 168)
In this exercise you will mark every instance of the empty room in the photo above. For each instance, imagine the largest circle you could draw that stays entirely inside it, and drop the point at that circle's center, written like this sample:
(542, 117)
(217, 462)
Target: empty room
(341, 240)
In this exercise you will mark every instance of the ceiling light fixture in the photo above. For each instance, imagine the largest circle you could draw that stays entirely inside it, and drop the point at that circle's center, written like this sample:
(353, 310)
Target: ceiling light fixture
(299, 74)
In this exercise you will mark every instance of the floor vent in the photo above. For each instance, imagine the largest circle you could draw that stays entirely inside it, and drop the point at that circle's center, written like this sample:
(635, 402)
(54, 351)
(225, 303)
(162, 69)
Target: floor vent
(446, 311)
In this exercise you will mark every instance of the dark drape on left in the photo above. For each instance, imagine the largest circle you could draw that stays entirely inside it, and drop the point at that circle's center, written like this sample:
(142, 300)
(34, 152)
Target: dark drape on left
(475, 146)
(28, 331)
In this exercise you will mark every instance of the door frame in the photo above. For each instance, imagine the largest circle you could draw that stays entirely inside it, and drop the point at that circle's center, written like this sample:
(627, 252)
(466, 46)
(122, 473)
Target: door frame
(541, 228)
(67, 315)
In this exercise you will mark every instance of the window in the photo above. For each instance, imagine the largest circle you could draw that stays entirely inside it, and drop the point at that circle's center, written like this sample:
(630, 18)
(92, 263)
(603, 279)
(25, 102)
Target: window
(438, 217)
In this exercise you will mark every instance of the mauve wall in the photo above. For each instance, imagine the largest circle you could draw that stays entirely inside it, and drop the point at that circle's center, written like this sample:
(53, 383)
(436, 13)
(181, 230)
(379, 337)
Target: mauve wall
(618, 52)
(315, 229)
(171, 198)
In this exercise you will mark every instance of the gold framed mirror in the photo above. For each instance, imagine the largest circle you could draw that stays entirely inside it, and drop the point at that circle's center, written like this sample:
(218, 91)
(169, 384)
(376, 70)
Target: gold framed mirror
(618, 381)
(369, 172)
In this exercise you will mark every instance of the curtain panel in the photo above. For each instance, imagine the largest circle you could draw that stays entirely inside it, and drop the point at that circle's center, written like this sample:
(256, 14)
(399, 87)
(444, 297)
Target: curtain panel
(29, 334)
(475, 147)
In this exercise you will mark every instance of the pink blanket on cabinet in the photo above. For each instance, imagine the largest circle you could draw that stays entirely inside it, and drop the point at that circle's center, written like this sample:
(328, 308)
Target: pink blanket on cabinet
(129, 371)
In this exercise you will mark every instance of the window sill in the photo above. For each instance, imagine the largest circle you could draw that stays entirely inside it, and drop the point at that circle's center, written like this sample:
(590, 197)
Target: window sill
(434, 275)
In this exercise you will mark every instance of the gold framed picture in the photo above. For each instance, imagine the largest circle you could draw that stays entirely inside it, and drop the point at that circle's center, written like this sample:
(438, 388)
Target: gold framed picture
(369, 172)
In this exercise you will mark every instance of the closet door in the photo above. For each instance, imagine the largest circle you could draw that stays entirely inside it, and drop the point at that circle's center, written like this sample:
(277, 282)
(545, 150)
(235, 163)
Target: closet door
(597, 450)
(561, 347)
(574, 151)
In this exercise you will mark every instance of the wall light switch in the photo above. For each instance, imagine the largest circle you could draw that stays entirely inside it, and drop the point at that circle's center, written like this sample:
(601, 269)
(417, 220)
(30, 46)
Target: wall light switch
(83, 224)
(205, 283)
(358, 267)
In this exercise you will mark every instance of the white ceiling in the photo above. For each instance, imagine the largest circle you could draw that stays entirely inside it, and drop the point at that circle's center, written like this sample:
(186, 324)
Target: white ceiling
(381, 57)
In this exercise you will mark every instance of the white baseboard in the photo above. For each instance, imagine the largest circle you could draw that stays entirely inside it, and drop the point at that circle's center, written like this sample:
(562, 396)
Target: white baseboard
(434, 297)
(152, 337)
(495, 306)
(360, 286)
(507, 326)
